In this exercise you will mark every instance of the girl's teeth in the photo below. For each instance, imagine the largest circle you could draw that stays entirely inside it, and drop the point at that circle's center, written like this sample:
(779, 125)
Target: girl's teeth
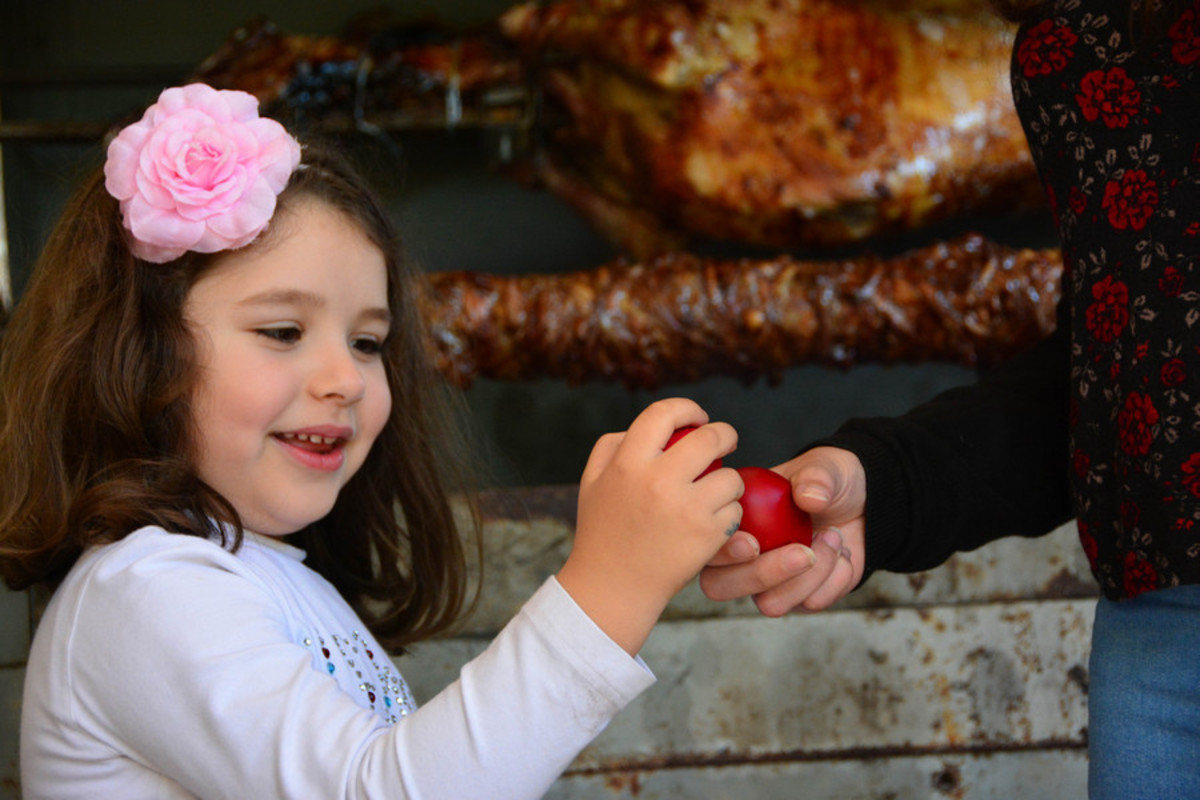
(313, 438)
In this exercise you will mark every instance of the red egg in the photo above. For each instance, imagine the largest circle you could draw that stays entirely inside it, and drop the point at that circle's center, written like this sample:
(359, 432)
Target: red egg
(768, 511)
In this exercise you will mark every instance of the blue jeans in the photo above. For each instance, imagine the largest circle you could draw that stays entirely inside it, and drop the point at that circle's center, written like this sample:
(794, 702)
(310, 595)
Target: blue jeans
(1144, 697)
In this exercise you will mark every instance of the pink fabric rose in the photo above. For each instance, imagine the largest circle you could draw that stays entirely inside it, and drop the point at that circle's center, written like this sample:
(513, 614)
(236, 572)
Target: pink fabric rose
(200, 171)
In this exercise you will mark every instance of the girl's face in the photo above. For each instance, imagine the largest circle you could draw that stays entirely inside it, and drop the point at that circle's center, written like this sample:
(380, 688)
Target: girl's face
(292, 390)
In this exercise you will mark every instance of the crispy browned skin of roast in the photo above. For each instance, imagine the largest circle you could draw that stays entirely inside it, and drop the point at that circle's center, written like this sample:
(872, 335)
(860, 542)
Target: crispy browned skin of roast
(779, 123)
(776, 122)
(260, 59)
(682, 318)
(380, 69)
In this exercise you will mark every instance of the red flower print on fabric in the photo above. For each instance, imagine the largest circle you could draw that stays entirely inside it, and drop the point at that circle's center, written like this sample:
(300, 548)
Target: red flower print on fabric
(1185, 37)
(1171, 282)
(1191, 474)
(1135, 424)
(1107, 317)
(1077, 200)
(1174, 372)
(1081, 462)
(1110, 96)
(1140, 575)
(1131, 514)
(1046, 49)
(1131, 201)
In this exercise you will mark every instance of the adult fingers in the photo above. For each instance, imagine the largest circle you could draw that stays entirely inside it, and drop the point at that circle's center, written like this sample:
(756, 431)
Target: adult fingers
(785, 596)
(828, 483)
(769, 570)
(834, 588)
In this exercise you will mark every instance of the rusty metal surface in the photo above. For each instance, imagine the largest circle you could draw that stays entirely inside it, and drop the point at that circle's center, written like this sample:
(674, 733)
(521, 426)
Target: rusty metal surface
(1036, 775)
(843, 685)
(1051, 567)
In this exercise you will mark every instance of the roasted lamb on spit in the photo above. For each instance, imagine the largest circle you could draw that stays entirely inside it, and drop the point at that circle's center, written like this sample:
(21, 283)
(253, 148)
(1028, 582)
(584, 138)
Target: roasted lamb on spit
(681, 317)
(775, 122)
(779, 123)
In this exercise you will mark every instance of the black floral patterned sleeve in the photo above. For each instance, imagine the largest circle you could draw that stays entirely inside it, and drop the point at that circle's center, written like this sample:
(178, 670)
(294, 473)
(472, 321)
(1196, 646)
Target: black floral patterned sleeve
(1112, 115)
(1102, 421)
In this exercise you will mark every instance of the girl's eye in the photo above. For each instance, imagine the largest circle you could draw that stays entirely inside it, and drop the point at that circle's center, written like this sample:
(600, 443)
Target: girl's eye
(368, 345)
(288, 335)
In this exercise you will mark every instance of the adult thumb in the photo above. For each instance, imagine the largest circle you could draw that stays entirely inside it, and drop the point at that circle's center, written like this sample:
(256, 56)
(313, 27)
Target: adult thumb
(830, 482)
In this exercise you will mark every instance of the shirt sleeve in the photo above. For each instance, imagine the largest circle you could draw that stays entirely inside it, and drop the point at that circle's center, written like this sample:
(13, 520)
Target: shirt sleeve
(521, 711)
(974, 464)
(184, 663)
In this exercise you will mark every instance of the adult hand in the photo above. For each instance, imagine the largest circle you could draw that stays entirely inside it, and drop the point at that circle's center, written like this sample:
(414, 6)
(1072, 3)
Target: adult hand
(828, 483)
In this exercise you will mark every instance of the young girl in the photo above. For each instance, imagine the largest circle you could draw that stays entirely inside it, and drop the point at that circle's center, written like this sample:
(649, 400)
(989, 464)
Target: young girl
(221, 443)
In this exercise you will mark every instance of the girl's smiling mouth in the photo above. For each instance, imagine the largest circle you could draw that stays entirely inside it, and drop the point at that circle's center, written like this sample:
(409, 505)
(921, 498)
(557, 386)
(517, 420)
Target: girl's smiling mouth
(314, 441)
(320, 450)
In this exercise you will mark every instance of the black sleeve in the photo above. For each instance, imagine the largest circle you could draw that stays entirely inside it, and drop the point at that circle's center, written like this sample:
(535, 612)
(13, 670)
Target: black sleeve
(974, 464)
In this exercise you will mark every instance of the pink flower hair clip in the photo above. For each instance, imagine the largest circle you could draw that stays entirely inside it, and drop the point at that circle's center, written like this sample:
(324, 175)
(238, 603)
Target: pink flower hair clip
(199, 171)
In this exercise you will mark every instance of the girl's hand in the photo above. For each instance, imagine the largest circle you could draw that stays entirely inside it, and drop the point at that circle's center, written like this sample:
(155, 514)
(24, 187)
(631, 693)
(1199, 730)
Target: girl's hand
(646, 524)
(828, 483)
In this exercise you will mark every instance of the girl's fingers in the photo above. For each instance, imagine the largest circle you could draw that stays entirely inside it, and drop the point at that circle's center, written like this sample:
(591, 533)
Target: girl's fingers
(740, 549)
(701, 448)
(601, 456)
(663, 417)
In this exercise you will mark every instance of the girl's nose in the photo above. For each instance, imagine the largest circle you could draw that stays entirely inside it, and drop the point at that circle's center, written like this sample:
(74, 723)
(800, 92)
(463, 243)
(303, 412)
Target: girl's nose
(338, 375)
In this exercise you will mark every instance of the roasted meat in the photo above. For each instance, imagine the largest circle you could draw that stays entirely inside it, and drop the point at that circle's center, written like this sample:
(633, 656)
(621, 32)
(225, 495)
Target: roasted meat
(413, 74)
(779, 123)
(775, 122)
(682, 318)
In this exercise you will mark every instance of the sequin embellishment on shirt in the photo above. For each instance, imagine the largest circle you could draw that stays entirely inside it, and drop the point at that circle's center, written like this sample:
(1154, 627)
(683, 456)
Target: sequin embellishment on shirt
(352, 659)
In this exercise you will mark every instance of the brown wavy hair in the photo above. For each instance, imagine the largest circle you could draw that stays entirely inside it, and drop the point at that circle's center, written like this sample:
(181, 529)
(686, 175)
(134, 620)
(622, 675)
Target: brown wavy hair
(97, 372)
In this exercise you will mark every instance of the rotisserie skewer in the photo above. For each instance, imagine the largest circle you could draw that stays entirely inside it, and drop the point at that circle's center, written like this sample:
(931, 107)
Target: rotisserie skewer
(682, 318)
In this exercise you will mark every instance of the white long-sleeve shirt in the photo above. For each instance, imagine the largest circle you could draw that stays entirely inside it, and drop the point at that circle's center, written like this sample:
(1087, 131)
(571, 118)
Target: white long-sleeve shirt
(167, 667)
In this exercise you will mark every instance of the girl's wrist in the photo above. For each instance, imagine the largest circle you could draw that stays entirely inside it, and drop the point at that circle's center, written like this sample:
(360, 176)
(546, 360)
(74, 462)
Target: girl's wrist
(626, 613)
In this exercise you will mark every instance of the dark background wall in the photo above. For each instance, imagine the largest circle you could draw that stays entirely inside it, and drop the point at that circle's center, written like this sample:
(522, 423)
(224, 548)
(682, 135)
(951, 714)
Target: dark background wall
(455, 211)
